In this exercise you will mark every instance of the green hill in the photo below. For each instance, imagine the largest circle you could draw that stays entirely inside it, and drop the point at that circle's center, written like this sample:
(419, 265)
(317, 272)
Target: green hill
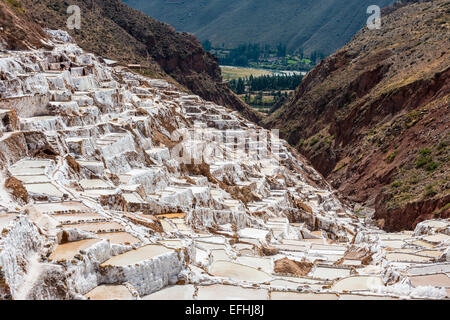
(322, 25)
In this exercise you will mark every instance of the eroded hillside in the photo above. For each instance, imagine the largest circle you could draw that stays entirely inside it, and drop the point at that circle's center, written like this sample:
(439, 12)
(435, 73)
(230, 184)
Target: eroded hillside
(373, 118)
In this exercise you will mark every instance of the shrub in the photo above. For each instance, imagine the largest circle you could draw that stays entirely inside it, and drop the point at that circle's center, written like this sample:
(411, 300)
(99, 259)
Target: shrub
(422, 160)
(391, 157)
(414, 179)
(314, 142)
(430, 191)
(396, 184)
(441, 146)
(432, 166)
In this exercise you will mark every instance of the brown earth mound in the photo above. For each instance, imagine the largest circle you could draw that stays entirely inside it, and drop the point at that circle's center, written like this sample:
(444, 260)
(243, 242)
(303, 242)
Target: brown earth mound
(295, 268)
(17, 189)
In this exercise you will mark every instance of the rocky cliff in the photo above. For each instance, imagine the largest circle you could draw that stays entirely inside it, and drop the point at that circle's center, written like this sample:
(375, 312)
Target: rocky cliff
(373, 117)
(113, 30)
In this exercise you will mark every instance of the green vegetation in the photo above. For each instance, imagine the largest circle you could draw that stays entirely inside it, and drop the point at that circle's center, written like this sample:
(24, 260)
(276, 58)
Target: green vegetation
(264, 57)
(265, 83)
(396, 184)
(444, 208)
(16, 4)
(430, 191)
(265, 93)
(425, 160)
(391, 157)
(340, 167)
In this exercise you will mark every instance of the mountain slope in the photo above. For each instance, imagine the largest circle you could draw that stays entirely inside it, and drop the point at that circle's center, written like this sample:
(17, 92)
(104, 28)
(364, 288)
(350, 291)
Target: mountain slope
(323, 25)
(373, 118)
(17, 31)
(112, 29)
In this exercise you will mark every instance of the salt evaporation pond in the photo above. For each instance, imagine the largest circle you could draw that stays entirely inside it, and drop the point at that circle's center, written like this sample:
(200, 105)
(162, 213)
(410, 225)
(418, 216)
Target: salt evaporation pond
(238, 272)
(364, 283)
(109, 292)
(136, 256)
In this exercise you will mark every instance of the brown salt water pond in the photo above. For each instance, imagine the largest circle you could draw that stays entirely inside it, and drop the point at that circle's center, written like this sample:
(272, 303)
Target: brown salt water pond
(68, 250)
(173, 293)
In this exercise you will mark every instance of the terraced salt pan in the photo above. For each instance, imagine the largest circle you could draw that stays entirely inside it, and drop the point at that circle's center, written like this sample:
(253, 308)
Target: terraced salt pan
(171, 216)
(422, 243)
(220, 254)
(406, 257)
(96, 226)
(253, 233)
(330, 273)
(262, 264)
(47, 189)
(33, 163)
(238, 272)
(88, 184)
(119, 237)
(430, 253)
(436, 238)
(435, 280)
(364, 297)
(99, 192)
(68, 250)
(176, 244)
(173, 293)
(293, 286)
(109, 292)
(167, 227)
(33, 179)
(363, 283)
(394, 244)
(77, 217)
(227, 292)
(429, 269)
(394, 236)
(209, 246)
(135, 256)
(61, 207)
(27, 171)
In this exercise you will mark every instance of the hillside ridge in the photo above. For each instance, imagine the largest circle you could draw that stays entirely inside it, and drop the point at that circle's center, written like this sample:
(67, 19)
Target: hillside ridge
(373, 117)
(319, 25)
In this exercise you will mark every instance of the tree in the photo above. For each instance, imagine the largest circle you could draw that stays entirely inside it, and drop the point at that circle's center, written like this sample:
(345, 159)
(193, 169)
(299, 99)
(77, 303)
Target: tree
(240, 87)
(207, 46)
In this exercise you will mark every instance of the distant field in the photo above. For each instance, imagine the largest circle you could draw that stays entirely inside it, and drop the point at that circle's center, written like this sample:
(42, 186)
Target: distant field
(230, 73)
